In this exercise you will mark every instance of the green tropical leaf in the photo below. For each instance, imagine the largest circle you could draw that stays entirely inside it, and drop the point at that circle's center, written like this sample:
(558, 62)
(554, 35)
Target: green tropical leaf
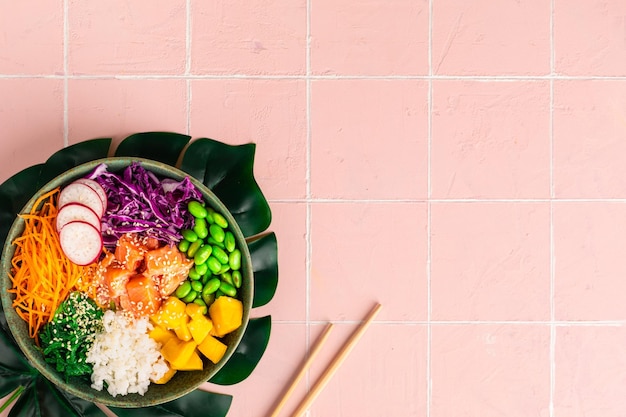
(14, 194)
(248, 353)
(82, 407)
(197, 403)
(264, 254)
(73, 156)
(160, 146)
(227, 170)
(27, 404)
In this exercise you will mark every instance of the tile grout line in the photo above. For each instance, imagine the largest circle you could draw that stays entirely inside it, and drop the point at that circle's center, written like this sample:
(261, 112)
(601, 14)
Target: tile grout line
(552, 351)
(429, 384)
(66, 133)
(188, 62)
(450, 200)
(309, 248)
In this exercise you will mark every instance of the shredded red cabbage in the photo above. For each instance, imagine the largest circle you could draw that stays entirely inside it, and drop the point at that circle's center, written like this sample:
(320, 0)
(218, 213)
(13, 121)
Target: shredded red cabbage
(139, 201)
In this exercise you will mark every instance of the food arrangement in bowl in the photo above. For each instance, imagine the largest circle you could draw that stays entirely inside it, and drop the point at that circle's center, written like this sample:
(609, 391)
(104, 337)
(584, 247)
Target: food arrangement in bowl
(127, 278)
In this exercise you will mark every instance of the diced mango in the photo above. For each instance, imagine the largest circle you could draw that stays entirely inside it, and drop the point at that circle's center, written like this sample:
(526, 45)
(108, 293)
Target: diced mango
(194, 310)
(200, 326)
(193, 364)
(226, 314)
(165, 378)
(177, 352)
(170, 314)
(182, 331)
(161, 335)
(212, 348)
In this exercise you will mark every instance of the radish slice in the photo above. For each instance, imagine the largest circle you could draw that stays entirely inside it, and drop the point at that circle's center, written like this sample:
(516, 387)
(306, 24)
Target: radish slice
(77, 212)
(96, 187)
(82, 194)
(81, 242)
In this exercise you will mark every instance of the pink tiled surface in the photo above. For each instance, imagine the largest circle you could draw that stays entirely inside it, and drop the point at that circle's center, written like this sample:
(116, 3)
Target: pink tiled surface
(461, 163)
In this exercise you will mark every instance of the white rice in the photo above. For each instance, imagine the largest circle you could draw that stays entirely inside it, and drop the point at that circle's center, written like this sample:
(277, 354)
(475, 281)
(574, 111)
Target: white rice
(124, 356)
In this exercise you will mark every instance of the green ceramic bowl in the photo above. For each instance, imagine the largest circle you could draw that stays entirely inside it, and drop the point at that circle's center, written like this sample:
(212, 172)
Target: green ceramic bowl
(183, 382)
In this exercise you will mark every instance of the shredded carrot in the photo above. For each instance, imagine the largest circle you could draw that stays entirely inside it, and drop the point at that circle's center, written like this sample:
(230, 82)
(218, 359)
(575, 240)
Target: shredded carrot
(42, 276)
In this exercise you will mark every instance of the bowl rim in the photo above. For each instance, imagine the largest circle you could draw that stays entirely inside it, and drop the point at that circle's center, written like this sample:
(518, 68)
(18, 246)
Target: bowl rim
(28, 348)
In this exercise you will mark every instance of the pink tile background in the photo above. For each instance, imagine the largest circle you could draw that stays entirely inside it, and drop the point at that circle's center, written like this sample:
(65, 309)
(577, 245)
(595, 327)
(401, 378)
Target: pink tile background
(459, 162)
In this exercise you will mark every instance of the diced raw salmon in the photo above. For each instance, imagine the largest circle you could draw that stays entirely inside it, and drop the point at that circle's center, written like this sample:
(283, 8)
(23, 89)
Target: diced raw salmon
(115, 278)
(169, 265)
(143, 295)
(130, 251)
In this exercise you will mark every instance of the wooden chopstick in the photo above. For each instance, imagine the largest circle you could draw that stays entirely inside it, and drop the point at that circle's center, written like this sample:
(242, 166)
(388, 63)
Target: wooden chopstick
(303, 368)
(336, 362)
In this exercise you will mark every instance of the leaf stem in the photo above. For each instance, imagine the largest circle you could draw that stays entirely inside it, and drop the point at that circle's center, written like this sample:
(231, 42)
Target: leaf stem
(12, 398)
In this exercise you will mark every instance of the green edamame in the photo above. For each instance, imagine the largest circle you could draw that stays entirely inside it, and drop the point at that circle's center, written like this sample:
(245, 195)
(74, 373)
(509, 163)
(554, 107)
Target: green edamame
(220, 220)
(193, 275)
(227, 277)
(196, 286)
(237, 279)
(224, 268)
(229, 241)
(202, 254)
(220, 255)
(190, 297)
(214, 242)
(211, 286)
(193, 248)
(234, 259)
(183, 245)
(214, 264)
(208, 298)
(228, 289)
(189, 235)
(201, 269)
(202, 304)
(197, 210)
(183, 290)
(216, 232)
(200, 228)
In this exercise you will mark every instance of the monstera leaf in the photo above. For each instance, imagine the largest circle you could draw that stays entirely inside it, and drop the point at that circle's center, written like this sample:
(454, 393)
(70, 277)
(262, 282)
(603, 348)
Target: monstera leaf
(226, 170)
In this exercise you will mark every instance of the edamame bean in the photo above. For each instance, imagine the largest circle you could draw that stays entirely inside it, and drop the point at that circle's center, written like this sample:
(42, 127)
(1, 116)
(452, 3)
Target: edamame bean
(202, 304)
(193, 248)
(216, 232)
(220, 220)
(220, 255)
(206, 277)
(201, 269)
(211, 286)
(196, 286)
(225, 268)
(208, 298)
(183, 245)
(193, 275)
(237, 279)
(214, 265)
(227, 277)
(209, 217)
(197, 210)
(234, 259)
(200, 228)
(229, 241)
(218, 294)
(183, 289)
(202, 254)
(228, 289)
(189, 235)
(190, 297)
(214, 242)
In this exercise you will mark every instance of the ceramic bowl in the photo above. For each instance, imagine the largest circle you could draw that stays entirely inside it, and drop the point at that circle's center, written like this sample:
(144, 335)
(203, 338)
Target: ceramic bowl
(183, 382)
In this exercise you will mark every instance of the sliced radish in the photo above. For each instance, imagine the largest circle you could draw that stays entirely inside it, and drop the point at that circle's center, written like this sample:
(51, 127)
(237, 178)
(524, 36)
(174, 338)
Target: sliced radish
(96, 187)
(77, 212)
(82, 194)
(81, 242)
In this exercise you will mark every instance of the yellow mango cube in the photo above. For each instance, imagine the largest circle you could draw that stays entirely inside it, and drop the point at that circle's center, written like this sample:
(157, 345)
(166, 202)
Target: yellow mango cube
(182, 331)
(212, 349)
(161, 335)
(177, 352)
(226, 314)
(170, 314)
(193, 364)
(195, 310)
(200, 326)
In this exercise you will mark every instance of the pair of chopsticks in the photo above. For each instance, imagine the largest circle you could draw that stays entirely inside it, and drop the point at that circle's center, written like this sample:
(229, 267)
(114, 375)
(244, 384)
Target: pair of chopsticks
(330, 370)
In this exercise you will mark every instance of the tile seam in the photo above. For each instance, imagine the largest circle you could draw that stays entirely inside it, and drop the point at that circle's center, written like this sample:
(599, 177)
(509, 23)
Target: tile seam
(66, 133)
(552, 349)
(309, 247)
(429, 381)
